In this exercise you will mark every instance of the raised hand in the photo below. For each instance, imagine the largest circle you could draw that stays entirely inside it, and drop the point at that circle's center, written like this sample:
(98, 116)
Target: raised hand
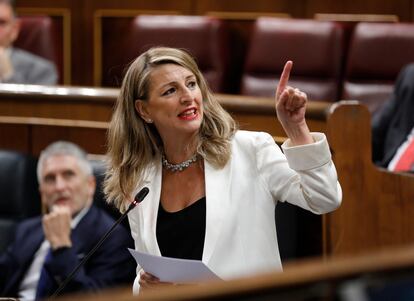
(6, 67)
(290, 106)
(56, 226)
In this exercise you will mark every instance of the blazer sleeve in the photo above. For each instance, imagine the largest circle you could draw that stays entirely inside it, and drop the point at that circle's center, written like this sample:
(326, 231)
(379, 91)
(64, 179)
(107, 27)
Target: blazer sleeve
(304, 176)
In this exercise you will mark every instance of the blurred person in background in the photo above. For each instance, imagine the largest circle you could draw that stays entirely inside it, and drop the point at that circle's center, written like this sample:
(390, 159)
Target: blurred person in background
(16, 65)
(393, 126)
(46, 249)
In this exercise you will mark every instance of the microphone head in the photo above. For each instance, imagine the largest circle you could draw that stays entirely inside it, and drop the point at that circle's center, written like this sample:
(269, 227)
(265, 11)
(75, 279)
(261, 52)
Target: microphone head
(140, 196)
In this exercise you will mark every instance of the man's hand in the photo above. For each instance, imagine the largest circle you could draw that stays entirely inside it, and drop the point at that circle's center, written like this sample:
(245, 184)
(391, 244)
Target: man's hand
(56, 226)
(6, 67)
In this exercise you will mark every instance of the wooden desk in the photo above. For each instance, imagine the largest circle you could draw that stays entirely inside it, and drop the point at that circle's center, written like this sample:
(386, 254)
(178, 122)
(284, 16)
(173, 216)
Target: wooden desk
(378, 206)
(77, 103)
(31, 134)
(313, 279)
(96, 104)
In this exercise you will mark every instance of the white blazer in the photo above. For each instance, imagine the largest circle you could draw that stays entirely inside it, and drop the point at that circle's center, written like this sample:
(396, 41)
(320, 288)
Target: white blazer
(240, 237)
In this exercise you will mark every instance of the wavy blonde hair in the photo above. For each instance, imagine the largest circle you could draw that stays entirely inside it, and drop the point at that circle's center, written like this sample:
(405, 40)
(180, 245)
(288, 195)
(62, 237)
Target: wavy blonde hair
(134, 145)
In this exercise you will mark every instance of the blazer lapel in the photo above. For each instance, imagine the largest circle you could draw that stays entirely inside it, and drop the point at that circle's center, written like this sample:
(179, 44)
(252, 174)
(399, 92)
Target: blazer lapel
(149, 209)
(32, 244)
(217, 190)
(82, 233)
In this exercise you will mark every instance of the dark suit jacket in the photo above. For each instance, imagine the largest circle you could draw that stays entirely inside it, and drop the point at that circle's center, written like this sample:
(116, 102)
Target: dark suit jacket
(391, 126)
(111, 264)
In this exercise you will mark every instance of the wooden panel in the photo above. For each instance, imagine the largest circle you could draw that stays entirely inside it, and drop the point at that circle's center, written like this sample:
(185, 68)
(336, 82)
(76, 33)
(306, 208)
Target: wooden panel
(259, 114)
(56, 109)
(377, 205)
(356, 17)
(62, 19)
(96, 104)
(186, 6)
(308, 280)
(352, 166)
(93, 140)
(294, 9)
(57, 102)
(376, 214)
(400, 8)
(37, 133)
(15, 137)
(412, 11)
(239, 39)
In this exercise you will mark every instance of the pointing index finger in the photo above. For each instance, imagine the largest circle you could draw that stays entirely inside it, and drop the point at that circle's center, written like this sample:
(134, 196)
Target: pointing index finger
(284, 78)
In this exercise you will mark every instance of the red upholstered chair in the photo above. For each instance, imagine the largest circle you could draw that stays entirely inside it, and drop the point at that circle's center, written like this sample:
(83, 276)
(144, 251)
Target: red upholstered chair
(315, 47)
(377, 53)
(40, 35)
(204, 37)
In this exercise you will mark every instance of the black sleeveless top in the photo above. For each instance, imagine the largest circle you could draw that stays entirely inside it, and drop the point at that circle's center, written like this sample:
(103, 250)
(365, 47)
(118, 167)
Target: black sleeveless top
(181, 234)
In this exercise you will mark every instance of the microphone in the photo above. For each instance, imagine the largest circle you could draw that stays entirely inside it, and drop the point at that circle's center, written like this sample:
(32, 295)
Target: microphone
(139, 197)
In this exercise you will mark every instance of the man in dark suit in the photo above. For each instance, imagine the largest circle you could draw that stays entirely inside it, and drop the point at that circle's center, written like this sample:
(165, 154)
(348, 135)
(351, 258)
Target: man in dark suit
(46, 249)
(16, 65)
(393, 126)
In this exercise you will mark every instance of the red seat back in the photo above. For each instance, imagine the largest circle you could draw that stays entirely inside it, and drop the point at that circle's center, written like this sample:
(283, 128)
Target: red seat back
(315, 47)
(377, 53)
(40, 35)
(204, 37)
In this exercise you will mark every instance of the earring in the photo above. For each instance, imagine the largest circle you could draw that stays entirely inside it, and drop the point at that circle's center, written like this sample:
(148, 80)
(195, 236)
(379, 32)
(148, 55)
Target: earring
(149, 121)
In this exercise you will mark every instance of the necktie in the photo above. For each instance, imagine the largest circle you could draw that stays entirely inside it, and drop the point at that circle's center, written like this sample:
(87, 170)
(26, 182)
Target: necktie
(45, 280)
(407, 158)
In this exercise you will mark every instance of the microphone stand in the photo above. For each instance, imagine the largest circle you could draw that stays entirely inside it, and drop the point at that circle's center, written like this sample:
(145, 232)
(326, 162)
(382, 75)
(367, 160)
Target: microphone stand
(138, 199)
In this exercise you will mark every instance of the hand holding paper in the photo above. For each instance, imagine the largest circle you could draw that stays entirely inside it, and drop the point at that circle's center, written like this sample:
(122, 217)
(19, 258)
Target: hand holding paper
(174, 270)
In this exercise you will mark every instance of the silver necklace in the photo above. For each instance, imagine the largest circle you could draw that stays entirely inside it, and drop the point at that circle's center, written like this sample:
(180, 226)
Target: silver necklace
(180, 166)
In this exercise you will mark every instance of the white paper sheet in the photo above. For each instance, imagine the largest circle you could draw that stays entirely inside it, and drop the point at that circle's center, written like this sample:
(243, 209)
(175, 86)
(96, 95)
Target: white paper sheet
(174, 269)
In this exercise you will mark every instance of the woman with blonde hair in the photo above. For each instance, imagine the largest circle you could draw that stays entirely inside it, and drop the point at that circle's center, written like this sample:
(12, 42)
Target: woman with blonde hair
(213, 188)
